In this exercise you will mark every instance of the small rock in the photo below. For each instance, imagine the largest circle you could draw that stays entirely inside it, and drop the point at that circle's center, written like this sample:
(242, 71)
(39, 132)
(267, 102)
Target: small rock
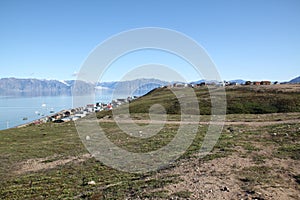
(230, 129)
(91, 183)
(87, 137)
(225, 189)
(250, 192)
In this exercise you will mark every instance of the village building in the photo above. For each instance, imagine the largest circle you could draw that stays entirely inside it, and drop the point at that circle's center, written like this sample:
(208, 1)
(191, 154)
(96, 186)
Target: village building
(233, 83)
(90, 108)
(265, 83)
(179, 85)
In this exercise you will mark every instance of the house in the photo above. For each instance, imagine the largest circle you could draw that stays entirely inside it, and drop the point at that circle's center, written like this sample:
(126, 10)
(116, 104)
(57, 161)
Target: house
(67, 113)
(212, 83)
(73, 111)
(90, 107)
(58, 121)
(265, 82)
(66, 119)
(74, 118)
(108, 107)
(248, 83)
(226, 83)
(122, 100)
(202, 84)
(188, 85)
(180, 85)
(233, 83)
(80, 114)
(98, 108)
(256, 83)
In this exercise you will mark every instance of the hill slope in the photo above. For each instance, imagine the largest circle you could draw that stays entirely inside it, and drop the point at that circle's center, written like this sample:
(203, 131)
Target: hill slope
(49, 161)
(240, 100)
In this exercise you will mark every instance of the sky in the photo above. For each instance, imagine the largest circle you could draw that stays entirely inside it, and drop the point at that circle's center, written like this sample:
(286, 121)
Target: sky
(246, 39)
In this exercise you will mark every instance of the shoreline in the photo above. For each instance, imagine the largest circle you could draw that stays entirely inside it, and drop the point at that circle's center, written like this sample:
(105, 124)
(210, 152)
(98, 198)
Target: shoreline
(73, 114)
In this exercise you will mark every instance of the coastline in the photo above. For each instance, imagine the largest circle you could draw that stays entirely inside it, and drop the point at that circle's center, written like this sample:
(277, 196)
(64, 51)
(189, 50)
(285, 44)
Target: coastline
(74, 114)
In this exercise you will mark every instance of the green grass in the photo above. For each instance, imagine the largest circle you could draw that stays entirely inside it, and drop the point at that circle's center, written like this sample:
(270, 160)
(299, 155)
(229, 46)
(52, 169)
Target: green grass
(58, 141)
(289, 151)
(182, 194)
(241, 100)
(134, 144)
(40, 141)
(249, 147)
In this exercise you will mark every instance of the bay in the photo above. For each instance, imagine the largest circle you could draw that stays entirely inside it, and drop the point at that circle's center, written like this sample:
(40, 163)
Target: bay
(15, 111)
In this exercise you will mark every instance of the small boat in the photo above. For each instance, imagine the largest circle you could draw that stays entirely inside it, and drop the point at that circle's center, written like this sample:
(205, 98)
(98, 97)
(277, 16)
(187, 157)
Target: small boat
(25, 118)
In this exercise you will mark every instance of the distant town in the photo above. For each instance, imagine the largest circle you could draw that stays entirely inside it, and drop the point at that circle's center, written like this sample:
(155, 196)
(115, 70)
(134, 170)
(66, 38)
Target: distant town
(80, 112)
(225, 83)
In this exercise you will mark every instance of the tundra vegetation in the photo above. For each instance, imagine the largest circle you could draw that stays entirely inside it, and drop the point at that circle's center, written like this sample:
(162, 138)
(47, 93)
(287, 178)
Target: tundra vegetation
(256, 157)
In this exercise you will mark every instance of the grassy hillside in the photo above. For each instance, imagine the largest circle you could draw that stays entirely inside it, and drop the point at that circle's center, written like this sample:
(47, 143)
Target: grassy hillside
(256, 157)
(48, 161)
(240, 100)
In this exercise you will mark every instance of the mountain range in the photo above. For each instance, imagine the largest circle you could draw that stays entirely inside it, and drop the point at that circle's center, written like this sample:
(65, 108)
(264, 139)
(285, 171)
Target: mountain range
(39, 87)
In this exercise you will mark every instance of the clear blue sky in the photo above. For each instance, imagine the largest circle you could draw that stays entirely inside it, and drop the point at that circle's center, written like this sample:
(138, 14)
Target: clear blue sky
(247, 39)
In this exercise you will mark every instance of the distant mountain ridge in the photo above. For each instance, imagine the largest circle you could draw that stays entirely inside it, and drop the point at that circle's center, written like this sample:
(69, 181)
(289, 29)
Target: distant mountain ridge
(38, 87)
(42, 87)
(34, 87)
(295, 80)
(139, 86)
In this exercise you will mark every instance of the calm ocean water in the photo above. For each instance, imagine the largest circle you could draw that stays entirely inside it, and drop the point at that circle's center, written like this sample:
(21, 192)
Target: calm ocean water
(15, 111)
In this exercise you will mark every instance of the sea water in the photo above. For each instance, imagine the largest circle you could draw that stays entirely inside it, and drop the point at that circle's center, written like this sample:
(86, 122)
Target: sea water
(19, 110)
